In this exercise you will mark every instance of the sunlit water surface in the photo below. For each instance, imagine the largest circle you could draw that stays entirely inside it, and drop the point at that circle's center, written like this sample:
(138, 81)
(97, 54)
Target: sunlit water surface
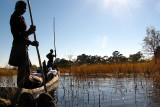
(102, 92)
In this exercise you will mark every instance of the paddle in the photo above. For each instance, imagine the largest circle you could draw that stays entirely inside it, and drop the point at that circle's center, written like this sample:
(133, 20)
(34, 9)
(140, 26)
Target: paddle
(37, 48)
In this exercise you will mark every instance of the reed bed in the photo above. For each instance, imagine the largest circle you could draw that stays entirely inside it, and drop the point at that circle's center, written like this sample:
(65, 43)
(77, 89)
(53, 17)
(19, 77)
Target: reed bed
(89, 70)
(63, 70)
(7, 72)
(101, 70)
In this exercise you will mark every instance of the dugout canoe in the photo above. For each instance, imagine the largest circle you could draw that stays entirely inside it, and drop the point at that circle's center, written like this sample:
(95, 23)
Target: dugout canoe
(51, 85)
(14, 92)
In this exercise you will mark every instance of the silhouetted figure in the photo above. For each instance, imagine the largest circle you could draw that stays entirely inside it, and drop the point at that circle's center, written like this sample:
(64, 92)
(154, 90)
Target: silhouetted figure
(26, 100)
(45, 100)
(50, 56)
(19, 52)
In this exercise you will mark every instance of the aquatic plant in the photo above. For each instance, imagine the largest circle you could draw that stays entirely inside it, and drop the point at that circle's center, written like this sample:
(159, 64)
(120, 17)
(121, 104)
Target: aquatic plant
(101, 70)
(7, 72)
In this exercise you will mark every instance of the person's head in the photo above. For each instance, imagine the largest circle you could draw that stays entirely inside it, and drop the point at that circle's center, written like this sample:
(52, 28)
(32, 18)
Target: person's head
(27, 100)
(20, 7)
(51, 51)
(45, 100)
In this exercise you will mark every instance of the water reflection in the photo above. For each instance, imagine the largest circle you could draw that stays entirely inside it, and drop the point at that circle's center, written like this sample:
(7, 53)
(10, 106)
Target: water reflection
(105, 92)
(8, 81)
(102, 92)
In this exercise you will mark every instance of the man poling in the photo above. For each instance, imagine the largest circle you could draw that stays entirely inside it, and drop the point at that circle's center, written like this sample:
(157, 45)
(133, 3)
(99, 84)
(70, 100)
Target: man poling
(19, 52)
(50, 56)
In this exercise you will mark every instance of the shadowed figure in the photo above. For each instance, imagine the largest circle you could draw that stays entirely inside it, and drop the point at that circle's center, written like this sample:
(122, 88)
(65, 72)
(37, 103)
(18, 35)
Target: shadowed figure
(26, 100)
(50, 57)
(44, 100)
(19, 53)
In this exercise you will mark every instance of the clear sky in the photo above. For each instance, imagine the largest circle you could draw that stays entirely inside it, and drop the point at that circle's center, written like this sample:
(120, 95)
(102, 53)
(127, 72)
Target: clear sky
(92, 27)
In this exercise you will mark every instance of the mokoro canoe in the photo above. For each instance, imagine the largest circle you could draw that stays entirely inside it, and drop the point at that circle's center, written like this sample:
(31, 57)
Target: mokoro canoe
(12, 92)
(51, 85)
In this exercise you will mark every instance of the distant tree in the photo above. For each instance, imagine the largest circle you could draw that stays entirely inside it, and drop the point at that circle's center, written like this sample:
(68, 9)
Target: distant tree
(123, 59)
(110, 60)
(70, 57)
(151, 41)
(57, 60)
(82, 59)
(62, 62)
(95, 59)
(104, 59)
(135, 57)
(117, 57)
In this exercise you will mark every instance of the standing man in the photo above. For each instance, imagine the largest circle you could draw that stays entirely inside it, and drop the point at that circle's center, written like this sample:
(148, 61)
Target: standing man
(50, 57)
(19, 52)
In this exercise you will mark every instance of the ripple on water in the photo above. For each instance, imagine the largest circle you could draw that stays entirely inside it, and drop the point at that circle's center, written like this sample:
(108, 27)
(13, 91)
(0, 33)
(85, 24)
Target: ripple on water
(116, 92)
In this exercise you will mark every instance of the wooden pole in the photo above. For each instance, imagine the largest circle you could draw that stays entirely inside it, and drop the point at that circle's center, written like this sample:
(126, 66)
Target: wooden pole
(54, 38)
(37, 48)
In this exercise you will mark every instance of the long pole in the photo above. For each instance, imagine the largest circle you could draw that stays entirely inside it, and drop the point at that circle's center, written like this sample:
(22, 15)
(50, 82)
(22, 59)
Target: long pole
(37, 48)
(54, 38)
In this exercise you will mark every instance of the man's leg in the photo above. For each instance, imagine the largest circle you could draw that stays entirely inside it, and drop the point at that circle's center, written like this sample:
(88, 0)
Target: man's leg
(23, 76)
(20, 76)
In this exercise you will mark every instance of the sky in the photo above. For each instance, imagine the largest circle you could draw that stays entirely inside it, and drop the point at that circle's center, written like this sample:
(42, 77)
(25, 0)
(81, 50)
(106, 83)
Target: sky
(91, 27)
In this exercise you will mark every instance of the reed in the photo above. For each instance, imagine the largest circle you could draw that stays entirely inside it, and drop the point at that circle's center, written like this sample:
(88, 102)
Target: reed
(63, 70)
(89, 70)
(7, 72)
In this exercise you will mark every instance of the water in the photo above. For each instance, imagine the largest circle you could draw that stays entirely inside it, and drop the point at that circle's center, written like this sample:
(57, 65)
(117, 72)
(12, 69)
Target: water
(103, 92)
(8, 81)
(107, 92)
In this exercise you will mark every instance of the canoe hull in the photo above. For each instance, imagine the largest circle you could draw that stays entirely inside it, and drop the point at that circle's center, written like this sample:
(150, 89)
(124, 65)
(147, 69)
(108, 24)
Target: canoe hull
(12, 93)
(51, 85)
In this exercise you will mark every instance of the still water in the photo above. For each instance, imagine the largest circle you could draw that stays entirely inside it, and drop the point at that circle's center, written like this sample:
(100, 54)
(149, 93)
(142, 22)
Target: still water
(102, 92)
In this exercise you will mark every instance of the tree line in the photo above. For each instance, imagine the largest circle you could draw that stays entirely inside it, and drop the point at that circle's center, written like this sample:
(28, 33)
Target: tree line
(150, 45)
(116, 57)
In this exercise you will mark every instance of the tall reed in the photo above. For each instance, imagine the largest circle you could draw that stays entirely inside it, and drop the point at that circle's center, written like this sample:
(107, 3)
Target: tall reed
(7, 72)
(114, 69)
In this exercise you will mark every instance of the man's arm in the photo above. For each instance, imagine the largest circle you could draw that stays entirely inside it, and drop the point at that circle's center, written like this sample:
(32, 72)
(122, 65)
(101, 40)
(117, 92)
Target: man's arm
(47, 56)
